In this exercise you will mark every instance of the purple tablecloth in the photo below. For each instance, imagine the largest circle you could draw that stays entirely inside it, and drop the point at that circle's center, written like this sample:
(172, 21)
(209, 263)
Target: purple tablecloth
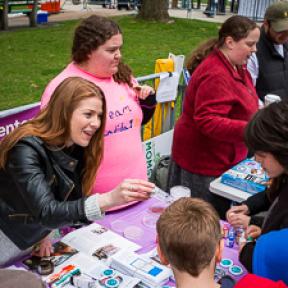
(133, 215)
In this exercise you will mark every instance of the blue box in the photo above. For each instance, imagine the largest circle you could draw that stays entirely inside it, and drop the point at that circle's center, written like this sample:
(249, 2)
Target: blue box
(42, 17)
(247, 176)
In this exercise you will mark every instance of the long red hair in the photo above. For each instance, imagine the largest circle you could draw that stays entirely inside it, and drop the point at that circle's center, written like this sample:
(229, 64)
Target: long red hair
(52, 125)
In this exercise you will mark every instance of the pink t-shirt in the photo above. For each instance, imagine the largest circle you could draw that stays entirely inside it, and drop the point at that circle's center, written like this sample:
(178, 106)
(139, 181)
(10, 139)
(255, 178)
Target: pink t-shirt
(123, 154)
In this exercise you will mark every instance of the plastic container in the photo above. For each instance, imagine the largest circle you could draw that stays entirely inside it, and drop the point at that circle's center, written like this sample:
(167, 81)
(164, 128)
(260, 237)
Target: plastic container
(133, 232)
(118, 226)
(178, 192)
(42, 17)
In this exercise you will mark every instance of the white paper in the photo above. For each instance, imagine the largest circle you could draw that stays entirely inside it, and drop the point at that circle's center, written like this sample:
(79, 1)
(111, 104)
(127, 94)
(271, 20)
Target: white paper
(178, 62)
(97, 241)
(168, 87)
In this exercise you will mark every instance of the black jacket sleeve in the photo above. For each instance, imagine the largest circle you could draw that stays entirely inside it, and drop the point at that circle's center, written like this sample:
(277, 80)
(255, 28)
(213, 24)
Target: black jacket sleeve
(26, 167)
(246, 256)
(258, 203)
(148, 106)
(257, 220)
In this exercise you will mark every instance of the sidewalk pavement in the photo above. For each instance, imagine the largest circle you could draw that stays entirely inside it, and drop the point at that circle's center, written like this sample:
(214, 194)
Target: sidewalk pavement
(71, 12)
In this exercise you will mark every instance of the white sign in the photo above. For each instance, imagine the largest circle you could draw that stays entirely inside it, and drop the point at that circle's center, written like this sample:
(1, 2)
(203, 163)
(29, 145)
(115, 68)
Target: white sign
(156, 147)
(168, 87)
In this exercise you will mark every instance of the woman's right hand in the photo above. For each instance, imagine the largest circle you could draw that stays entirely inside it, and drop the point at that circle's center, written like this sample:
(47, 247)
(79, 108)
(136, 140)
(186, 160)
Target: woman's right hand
(240, 209)
(128, 191)
(239, 220)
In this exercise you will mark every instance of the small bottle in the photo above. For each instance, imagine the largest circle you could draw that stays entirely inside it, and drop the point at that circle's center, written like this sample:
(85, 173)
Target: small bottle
(225, 230)
(240, 233)
(231, 238)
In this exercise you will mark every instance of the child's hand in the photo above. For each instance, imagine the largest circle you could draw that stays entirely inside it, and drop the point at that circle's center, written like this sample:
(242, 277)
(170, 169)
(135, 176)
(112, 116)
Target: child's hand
(143, 91)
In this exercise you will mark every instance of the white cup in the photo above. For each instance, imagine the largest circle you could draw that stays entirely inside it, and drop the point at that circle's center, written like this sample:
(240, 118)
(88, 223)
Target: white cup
(178, 192)
(270, 98)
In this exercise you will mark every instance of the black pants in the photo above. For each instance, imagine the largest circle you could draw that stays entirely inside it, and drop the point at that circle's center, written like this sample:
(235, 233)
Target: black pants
(199, 186)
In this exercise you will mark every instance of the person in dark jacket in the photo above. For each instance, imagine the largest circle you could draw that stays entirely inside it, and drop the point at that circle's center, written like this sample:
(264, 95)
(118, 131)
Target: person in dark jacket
(48, 167)
(266, 137)
(269, 65)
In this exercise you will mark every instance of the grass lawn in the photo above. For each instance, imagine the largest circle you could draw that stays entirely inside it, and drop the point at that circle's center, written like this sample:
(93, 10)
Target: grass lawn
(31, 57)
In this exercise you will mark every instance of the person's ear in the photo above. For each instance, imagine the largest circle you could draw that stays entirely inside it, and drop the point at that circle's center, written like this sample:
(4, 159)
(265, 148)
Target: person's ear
(229, 42)
(266, 25)
(162, 257)
(219, 251)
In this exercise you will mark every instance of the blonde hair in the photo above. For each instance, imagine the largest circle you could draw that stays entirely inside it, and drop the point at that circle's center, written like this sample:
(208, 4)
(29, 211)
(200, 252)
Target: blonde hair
(52, 125)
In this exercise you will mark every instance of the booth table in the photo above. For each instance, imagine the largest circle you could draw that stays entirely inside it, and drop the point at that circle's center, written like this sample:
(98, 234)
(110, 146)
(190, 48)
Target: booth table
(133, 216)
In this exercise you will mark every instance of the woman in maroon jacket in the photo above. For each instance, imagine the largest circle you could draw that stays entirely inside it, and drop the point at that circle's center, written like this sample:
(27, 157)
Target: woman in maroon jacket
(220, 99)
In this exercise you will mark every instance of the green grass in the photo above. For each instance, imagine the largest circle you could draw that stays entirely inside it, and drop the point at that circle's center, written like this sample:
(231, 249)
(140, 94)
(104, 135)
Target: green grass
(29, 57)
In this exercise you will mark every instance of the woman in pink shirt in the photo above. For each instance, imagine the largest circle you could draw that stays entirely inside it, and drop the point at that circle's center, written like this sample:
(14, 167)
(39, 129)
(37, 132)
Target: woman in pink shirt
(96, 55)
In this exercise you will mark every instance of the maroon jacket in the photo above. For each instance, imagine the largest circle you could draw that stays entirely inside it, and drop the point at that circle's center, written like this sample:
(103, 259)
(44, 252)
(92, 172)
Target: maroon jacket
(219, 101)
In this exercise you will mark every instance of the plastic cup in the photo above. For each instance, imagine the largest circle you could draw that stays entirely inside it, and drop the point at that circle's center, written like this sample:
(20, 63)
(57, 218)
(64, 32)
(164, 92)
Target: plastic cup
(178, 192)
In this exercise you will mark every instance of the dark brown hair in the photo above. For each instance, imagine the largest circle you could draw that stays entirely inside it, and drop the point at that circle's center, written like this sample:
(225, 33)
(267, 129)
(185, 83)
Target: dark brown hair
(92, 33)
(52, 125)
(237, 27)
(267, 131)
(188, 234)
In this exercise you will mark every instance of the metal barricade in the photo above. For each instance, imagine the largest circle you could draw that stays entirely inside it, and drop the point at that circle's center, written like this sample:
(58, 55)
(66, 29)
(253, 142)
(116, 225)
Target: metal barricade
(172, 111)
(254, 9)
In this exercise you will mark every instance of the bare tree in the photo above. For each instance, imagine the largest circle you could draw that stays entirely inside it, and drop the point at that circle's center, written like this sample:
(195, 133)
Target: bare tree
(4, 16)
(33, 14)
(154, 10)
(174, 4)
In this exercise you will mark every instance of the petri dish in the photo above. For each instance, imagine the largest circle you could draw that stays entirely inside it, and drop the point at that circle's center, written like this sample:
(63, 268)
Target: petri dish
(226, 263)
(236, 270)
(157, 208)
(133, 233)
(118, 226)
(150, 220)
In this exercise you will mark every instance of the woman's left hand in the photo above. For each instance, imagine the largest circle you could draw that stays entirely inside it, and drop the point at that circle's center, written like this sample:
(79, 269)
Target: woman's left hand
(44, 248)
(253, 231)
(144, 91)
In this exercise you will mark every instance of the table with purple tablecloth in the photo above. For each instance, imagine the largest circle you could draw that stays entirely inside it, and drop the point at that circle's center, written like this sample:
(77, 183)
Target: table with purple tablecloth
(133, 216)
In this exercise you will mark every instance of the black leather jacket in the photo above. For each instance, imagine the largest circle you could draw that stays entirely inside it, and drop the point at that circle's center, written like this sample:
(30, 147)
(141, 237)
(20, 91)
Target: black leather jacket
(40, 189)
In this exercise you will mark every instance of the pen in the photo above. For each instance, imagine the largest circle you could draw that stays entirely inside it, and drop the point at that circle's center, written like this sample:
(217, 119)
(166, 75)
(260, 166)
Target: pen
(57, 276)
(65, 278)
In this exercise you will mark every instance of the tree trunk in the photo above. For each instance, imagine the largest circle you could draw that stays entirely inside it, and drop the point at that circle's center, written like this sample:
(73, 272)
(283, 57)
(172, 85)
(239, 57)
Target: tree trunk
(174, 4)
(154, 10)
(33, 14)
(4, 16)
